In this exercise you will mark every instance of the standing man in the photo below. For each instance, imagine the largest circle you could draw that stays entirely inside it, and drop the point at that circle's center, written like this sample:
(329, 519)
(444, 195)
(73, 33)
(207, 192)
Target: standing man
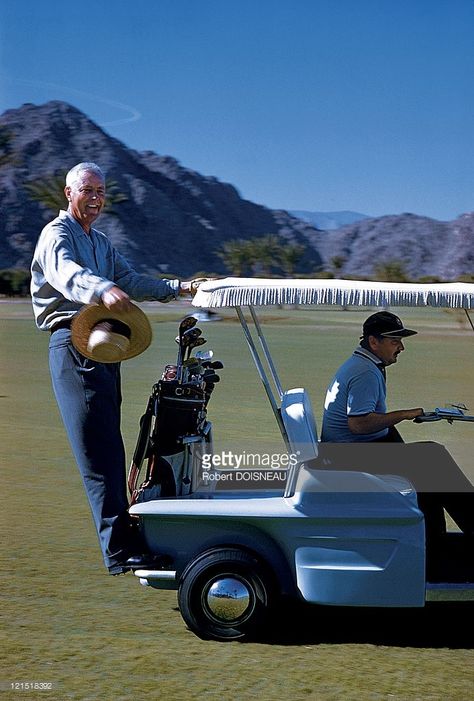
(73, 265)
(355, 413)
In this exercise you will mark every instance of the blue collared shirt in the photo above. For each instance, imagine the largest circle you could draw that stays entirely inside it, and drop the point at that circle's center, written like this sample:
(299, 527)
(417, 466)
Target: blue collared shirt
(71, 268)
(357, 388)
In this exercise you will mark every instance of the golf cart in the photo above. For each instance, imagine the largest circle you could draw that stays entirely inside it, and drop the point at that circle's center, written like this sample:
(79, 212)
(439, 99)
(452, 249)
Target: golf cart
(341, 537)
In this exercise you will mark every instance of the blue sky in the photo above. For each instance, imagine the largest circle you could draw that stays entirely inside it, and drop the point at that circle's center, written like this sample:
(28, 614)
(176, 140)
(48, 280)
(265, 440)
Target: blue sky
(323, 105)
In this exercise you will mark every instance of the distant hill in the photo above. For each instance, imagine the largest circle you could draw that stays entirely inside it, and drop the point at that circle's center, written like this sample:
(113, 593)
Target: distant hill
(423, 246)
(173, 218)
(328, 220)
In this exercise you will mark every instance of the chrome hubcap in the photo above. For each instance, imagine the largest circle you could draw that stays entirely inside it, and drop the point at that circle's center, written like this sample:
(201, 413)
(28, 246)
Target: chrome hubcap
(228, 599)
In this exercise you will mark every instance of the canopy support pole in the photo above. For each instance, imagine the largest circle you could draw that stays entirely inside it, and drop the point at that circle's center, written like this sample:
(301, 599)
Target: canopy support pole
(261, 371)
(469, 319)
(266, 352)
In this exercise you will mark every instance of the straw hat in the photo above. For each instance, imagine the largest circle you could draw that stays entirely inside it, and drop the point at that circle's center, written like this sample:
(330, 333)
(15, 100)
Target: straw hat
(110, 337)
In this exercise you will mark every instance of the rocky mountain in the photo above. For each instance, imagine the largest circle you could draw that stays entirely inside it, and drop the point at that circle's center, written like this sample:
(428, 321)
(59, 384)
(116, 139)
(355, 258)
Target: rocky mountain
(171, 219)
(420, 245)
(328, 220)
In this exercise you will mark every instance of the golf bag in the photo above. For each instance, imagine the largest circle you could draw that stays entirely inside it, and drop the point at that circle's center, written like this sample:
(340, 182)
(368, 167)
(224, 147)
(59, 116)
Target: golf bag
(174, 434)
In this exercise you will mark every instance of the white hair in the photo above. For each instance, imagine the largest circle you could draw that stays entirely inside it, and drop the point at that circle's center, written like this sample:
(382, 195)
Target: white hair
(74, 174)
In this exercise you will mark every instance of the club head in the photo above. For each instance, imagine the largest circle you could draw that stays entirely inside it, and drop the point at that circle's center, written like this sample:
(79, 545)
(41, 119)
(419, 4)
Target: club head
(190, 335)
(193, 342)
(214, 365)
(189, 341)
(196, 370)
(190, 362)
(187, 323)
(204, 355)
(193, 367)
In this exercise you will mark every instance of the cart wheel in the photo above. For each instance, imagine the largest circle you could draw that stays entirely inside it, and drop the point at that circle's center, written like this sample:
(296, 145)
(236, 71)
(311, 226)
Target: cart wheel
(224, 594)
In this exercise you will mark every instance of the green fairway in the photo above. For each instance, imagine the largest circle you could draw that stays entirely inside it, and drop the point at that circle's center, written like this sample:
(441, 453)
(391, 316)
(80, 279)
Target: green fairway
(95, 637)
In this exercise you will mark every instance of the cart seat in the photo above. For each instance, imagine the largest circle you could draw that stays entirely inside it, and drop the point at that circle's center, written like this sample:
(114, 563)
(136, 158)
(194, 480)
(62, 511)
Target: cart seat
(300, 425)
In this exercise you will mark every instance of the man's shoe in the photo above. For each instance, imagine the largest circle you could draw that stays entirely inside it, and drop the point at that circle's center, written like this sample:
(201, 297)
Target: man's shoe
(118, 569)
(147, 562)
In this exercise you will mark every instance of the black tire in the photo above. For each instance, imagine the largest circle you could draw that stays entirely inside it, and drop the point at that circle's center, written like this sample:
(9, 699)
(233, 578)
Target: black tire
(224, 594)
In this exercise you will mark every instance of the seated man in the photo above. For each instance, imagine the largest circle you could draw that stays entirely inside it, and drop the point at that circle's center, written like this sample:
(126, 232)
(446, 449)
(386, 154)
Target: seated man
(355, 413)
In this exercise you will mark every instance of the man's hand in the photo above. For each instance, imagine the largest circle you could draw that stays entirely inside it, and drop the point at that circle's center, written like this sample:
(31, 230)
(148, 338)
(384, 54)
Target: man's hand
(116, 300)
(190, 287)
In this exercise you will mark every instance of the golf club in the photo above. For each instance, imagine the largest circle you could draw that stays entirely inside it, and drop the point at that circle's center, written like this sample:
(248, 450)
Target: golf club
(211, 378)
(187, 323)
(215, 365)
(188, 339)
(204, 354)
(193, 333)
(192, 370)
(194, 342)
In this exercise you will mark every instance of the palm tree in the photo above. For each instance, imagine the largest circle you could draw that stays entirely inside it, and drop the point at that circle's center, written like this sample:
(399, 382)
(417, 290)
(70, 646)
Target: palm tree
(337, 263)
(265, 253)
(261, 254)
(391, 271)
(49, 192)
(235, 255)
(289, 255)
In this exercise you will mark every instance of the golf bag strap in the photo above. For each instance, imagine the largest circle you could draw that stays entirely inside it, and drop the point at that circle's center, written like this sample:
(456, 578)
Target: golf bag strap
(141, 448)
(159, 471)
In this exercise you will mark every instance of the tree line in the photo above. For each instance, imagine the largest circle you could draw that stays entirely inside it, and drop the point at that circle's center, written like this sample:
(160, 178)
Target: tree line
(262, 256)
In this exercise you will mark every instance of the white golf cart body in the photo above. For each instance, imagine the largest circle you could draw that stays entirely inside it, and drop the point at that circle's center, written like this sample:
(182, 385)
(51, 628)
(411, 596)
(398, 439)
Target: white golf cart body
(345, 538)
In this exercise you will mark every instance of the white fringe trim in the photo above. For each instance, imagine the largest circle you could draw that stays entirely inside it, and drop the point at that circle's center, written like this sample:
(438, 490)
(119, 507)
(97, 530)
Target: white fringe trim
(236, 292)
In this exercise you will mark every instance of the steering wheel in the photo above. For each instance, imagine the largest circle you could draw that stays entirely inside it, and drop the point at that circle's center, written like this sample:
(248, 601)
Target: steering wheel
(455, 412)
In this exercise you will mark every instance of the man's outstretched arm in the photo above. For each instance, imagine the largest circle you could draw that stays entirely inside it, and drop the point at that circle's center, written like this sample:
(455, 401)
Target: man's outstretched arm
(373, 422)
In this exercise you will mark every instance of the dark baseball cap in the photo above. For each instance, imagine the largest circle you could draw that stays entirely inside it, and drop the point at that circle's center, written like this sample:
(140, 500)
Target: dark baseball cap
(385, 324)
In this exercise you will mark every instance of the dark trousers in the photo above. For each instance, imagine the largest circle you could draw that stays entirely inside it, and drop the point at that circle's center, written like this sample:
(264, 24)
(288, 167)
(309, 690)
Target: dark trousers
(439, 482)
(89, 398)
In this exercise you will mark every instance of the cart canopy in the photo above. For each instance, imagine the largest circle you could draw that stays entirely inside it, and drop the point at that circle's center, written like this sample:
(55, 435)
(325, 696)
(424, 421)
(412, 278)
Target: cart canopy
(237, 292)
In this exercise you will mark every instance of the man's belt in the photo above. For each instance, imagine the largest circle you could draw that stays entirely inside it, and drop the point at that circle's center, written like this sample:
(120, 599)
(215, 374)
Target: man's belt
(64, 324)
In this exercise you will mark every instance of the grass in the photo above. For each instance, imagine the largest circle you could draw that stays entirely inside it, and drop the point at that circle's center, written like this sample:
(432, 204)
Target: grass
(95, 637)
